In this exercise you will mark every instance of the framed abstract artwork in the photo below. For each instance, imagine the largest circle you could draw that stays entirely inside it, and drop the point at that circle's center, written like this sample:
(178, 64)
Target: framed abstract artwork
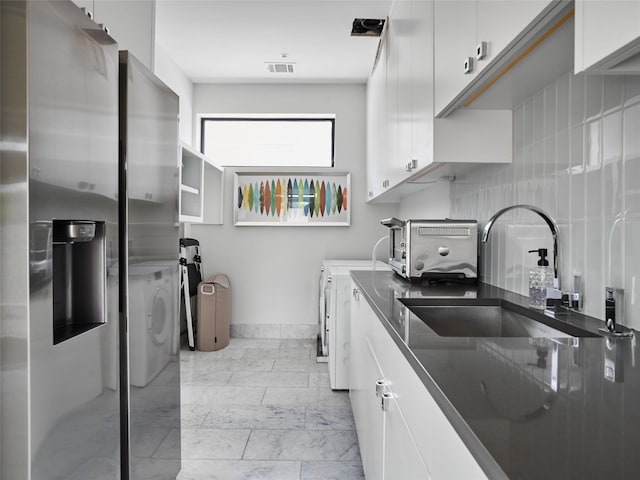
(292, 199)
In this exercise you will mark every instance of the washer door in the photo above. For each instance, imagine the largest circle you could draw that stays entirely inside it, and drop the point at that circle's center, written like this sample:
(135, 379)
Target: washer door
(159, 322)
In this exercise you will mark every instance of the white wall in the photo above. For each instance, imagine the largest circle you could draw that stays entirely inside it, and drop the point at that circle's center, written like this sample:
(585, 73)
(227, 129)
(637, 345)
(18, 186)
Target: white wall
(430, 203)
(577, 156)
(274, 270)
(167, 71)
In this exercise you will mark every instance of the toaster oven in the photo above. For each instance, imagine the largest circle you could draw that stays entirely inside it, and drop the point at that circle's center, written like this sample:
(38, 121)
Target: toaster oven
(434, 251)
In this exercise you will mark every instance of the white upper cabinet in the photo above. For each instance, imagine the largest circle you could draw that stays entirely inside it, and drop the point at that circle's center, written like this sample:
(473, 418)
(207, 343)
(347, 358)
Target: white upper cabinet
(376, 163)
(455, 38)
(131, 24)
(471, 34)
(201, 188)
(421, 82)
(414, 142)
(191, 184)
(399, 108)
(500, 23)
(607, 36)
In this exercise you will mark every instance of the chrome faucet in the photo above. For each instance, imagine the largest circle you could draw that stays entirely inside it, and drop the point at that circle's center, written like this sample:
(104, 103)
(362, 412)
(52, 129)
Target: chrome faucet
(553, 226)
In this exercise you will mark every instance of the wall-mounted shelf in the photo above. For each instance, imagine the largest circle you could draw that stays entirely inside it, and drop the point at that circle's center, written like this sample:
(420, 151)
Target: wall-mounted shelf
(188, 189)
(201, 187)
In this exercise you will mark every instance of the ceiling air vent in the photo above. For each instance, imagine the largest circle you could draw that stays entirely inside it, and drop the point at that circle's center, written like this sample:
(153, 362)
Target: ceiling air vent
(282, 67)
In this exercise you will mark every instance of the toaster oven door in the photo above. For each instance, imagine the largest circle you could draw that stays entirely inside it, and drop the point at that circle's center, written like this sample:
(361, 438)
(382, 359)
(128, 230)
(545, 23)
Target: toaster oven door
(443, 250)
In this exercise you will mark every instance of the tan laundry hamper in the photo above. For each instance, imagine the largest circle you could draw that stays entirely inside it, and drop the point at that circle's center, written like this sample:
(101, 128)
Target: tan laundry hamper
(214, 313)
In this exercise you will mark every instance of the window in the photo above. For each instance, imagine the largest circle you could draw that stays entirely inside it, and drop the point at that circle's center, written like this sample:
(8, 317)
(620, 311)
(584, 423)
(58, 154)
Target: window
(269, 141)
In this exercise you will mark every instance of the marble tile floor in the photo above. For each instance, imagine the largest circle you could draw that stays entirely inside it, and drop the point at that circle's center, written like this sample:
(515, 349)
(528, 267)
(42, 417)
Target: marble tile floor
(263, 409)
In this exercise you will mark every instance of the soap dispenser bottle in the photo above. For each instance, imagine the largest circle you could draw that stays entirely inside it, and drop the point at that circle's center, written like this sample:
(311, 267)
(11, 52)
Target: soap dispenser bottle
(540, 278)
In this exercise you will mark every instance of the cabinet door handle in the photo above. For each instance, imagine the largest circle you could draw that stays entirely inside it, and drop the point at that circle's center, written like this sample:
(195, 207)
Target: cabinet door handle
(411, 165)
(468, 65)
(385, 401)
(381, 387)
(481, 50)
(356, 294)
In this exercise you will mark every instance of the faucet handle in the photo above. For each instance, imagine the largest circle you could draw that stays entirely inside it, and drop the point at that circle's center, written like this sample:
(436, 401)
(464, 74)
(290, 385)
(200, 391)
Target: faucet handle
(576, 295)
(572, 299)
(611, 306)
(613, 313)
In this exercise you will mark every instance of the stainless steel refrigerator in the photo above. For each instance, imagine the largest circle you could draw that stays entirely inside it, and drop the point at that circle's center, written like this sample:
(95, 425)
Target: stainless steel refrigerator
(60, 398)
(150, 285)
(68, 351)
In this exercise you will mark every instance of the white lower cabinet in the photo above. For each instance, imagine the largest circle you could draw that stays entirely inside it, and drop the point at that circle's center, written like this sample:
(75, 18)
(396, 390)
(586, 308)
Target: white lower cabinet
(402, 458)
(402, 432)
(374, 438)
(363, 374)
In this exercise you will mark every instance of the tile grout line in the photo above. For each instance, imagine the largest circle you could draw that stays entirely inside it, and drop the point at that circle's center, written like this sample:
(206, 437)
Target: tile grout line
(264, 394)
(155, 450)
(244, 450)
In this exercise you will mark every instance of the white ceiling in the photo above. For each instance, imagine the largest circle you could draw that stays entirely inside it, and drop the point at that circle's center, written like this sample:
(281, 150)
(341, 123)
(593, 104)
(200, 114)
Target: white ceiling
(229, 41)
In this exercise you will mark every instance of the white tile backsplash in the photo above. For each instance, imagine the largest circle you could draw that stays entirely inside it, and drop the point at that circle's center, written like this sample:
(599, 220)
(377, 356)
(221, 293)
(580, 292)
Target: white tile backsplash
(613, 93)
(576, 106)
(550, 110)
(577, 156)
(631, 92)
(593, 97)
(563, 93)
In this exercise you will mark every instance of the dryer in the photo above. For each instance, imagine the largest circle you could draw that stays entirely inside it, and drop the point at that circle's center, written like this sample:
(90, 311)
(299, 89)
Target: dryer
(152, 319)
(334, 306)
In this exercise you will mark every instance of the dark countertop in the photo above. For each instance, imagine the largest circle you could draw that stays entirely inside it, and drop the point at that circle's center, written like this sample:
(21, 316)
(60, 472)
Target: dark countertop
(525, 408)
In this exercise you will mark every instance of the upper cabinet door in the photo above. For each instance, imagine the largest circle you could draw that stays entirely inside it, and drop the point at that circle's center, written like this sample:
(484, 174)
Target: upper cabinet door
(377, 173)
(398, 50)
(607, 36)
(473, 35)
(400, 29)
(455, 33)
(500, 23)
(422, 83)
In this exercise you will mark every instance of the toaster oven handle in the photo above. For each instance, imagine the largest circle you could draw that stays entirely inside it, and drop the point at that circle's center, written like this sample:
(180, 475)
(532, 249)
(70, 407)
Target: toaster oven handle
(392, 222)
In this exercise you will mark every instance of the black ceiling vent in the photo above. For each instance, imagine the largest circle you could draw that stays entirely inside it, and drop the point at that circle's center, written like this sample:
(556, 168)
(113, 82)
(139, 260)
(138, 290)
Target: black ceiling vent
(367, 27)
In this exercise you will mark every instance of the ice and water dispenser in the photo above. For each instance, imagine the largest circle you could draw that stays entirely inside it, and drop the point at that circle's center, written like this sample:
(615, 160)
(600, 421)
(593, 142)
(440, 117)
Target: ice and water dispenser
(79, 277)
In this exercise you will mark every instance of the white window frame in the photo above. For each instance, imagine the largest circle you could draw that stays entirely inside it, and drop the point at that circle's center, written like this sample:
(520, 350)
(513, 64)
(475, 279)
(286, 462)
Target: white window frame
(267, 117)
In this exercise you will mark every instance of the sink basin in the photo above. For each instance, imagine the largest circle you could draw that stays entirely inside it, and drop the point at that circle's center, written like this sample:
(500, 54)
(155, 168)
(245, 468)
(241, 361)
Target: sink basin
(495, 320)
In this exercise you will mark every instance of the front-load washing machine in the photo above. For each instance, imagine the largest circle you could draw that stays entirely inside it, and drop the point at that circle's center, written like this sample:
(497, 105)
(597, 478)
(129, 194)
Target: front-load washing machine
(152, 319)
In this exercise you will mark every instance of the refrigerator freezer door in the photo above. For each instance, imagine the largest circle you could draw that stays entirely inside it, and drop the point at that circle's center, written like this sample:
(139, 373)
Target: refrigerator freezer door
(72, 98)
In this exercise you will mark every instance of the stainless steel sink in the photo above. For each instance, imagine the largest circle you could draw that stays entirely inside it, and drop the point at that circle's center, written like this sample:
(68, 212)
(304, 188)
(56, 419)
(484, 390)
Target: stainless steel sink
(495, 320)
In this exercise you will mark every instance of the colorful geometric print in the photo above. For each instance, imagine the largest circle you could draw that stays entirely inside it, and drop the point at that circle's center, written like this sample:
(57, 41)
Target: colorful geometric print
(276, 196)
